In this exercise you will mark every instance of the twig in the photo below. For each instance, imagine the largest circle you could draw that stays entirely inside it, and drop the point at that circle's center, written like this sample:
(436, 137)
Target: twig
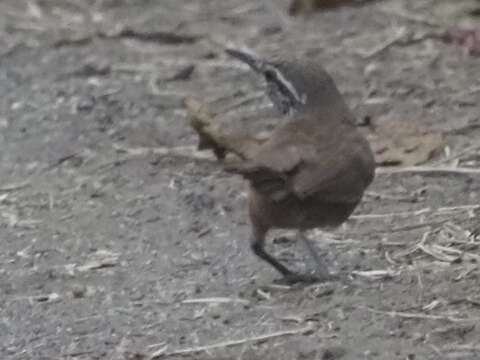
(387, 215)
(277, 287)
(14, 186)
(437, 351)
(415, 247)
(465, 273)
(189, 152)
(421, 287)
(381, 196)
(466, 347)
(455, 234)
(459, 207)
(436, 253)
(400, 33)
(429, 169)
(161, 353)
(218, 300)
(179, 151)
(458, 155)
(409, 315)
(459, 253)
(389, 258)
(263, 294)
(416, 226)
(377, 274)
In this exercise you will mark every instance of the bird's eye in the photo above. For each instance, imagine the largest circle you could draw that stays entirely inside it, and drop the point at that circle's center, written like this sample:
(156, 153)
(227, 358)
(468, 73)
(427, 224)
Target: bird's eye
(270, 75)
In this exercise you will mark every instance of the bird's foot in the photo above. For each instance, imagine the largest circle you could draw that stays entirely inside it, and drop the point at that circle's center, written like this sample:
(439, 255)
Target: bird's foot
(309, 278)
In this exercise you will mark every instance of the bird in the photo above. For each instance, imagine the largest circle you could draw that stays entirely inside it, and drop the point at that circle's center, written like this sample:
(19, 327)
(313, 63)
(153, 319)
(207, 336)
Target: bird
(313, 169)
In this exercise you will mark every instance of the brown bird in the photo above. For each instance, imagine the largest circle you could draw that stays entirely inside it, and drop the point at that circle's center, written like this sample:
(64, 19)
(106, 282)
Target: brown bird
(312, 171)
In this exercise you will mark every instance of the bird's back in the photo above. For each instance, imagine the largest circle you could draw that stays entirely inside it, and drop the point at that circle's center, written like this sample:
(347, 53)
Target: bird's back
(324, 166)
(323, 148)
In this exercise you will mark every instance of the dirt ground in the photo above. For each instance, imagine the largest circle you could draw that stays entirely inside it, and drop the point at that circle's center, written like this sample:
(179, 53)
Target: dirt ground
(119, 240)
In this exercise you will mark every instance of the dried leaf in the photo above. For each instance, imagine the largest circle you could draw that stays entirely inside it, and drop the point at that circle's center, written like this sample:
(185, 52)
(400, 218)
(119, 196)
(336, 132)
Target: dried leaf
(400, 143)
(202, 122)
(394, 142)
(213, 136)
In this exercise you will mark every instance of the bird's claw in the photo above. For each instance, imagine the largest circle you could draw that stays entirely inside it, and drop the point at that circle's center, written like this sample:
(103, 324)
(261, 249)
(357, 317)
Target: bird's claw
(294, 278)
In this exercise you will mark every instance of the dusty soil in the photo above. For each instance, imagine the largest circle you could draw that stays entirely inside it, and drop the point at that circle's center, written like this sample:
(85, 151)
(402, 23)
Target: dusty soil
(110, 249)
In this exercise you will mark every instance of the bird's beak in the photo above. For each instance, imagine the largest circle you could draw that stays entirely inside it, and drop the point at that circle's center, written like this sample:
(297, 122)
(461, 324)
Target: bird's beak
(249, 59)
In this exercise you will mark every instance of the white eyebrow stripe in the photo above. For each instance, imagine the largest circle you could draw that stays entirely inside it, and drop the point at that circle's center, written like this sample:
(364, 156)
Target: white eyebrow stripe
(287, 84)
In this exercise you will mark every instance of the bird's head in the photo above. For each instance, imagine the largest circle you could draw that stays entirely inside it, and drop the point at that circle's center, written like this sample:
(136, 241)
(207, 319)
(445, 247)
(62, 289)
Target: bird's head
(292, 86)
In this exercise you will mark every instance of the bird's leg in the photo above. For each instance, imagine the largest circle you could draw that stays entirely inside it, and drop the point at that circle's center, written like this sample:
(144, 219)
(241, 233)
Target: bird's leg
(258, 247)
(321, 271)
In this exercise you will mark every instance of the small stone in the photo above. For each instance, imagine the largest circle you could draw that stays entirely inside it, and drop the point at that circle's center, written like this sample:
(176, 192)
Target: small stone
(333, 353)
(78, 291)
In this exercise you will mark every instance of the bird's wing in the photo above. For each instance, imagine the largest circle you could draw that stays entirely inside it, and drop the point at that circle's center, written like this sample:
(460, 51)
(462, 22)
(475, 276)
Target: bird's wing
(337, 177)
(335, 172)
(271, 173)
